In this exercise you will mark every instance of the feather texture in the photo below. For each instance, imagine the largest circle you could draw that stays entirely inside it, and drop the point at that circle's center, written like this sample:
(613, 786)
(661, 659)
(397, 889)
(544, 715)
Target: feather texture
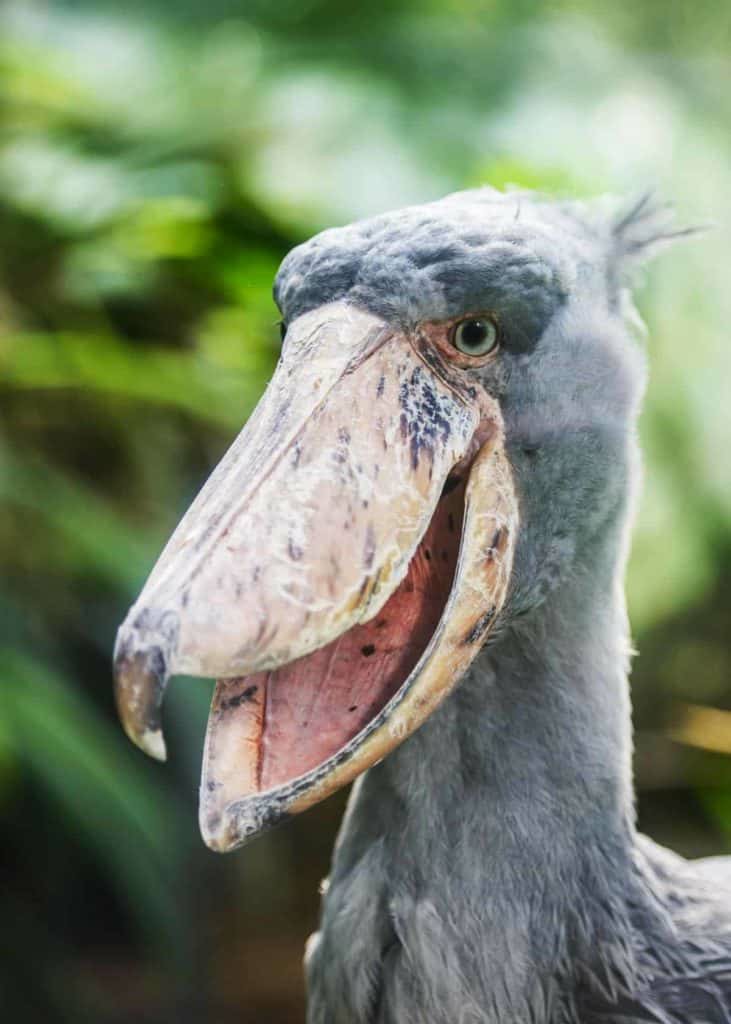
(489, 871)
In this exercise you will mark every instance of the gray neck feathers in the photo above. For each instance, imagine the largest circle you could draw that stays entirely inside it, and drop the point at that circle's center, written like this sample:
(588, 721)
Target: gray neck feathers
(490, 856)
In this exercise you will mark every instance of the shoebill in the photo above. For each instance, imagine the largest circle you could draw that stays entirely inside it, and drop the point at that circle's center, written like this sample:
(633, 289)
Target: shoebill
(408, 568)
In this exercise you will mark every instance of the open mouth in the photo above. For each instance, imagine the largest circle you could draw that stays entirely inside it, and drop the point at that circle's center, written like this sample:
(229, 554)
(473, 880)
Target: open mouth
(275, 728)
(337, 574)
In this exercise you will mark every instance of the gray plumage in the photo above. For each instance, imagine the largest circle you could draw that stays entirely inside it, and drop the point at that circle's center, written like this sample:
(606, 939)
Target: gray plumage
(489, 869)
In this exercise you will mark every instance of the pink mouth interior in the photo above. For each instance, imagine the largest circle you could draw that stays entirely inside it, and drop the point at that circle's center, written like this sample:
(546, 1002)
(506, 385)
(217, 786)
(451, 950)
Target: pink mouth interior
(302, 714)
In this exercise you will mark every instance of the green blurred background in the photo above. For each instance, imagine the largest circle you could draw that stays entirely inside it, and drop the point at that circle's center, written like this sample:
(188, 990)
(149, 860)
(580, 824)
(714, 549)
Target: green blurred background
(157, 160)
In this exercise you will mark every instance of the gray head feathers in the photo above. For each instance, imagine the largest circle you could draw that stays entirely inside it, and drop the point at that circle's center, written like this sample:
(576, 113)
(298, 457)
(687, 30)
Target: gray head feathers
(517, 251)
(639, 232)
(488, 871)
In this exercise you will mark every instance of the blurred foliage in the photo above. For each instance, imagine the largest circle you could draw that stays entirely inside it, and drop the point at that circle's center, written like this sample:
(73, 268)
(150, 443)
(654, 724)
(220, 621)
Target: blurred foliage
(156, 162)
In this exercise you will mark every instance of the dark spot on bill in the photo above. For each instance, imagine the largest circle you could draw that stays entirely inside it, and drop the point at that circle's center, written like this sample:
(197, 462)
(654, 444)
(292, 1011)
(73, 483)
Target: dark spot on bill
(241, 698)
(369, 548)
(480, 626)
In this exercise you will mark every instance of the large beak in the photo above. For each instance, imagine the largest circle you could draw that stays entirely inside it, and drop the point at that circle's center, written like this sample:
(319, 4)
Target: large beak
(337, 573)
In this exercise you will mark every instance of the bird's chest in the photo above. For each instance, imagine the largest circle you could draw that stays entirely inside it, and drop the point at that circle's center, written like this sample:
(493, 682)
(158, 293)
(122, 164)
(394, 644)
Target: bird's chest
(396, 957)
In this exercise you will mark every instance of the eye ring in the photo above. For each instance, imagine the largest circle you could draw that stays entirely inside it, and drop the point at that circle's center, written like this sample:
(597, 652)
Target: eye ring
(476, 336)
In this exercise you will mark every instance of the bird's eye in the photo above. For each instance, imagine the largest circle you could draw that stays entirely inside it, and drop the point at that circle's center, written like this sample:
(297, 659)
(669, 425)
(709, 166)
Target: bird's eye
(282, 330)
(476, 336)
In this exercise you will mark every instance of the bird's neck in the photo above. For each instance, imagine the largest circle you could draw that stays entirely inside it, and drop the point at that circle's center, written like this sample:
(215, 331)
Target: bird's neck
(501, 833)
(537, 736)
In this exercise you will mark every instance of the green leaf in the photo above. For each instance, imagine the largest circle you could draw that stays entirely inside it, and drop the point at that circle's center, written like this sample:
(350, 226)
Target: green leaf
(108, 365)
(85, 767)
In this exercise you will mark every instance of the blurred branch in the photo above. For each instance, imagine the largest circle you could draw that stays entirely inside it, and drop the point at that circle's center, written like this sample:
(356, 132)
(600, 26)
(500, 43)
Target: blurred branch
(702, 727)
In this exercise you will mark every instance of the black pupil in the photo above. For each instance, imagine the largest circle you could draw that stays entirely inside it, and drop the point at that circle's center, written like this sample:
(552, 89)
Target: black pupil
(474, 333)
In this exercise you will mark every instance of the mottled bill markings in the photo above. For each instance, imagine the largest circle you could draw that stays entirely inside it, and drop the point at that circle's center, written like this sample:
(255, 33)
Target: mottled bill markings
(321, 720)
(337, 573)
(313, 706)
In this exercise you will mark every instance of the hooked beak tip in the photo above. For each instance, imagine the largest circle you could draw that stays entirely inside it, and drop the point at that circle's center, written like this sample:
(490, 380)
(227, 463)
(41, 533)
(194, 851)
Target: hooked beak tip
(150, 742)
(139, 681)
